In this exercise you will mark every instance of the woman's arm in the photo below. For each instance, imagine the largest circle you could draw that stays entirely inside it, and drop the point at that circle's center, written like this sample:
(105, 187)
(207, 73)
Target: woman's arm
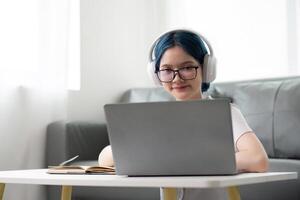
(105, 157)
(251, 155)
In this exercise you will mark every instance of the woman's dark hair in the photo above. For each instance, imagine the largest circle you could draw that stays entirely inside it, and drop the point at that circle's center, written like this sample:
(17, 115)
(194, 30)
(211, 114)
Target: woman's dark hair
(188, 41)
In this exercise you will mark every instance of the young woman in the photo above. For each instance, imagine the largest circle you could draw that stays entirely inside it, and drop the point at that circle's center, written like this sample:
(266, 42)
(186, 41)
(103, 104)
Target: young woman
(181, 63)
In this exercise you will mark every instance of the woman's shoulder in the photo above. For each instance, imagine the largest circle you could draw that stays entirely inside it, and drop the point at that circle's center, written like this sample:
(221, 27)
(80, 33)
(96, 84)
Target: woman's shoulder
(235, 108)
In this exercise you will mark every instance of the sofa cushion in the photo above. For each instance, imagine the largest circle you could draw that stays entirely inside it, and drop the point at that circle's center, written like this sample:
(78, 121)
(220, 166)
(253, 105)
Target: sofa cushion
(83, 139)
(146, 95)
(287, 120)
(256, 102)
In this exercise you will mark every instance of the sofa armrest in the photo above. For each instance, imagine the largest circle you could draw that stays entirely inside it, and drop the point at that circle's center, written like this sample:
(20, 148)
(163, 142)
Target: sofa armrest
(67, 139)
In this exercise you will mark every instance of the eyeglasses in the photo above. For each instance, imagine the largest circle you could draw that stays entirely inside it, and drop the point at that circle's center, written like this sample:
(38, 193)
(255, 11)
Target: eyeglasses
(185, 73)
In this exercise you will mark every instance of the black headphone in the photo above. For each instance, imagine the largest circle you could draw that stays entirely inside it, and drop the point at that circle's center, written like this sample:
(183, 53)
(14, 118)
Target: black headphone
(209, 64)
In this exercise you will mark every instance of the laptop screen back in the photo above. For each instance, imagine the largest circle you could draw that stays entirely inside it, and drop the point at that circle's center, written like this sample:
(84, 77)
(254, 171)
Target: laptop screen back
(171, 138)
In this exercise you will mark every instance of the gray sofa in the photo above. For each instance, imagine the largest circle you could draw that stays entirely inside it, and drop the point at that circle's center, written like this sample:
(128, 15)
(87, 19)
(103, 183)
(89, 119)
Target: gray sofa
(271, 107)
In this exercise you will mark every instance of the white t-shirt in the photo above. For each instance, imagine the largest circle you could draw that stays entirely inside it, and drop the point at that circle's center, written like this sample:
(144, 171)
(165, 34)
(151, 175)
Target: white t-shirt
(240, 127)
(239, 124)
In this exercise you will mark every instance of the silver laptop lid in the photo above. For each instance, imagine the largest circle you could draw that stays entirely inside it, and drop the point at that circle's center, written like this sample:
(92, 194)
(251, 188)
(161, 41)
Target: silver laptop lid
(171, 138)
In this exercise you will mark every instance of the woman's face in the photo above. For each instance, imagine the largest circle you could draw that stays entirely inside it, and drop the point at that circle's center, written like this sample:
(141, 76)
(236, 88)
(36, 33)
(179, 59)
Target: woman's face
(176, 58)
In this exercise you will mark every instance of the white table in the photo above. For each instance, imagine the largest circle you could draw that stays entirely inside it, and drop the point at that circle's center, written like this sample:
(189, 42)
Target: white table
(169, 184)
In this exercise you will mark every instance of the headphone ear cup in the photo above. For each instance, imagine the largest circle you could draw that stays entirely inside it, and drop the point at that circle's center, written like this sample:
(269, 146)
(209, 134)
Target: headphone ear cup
(152, 74)
(209, 69)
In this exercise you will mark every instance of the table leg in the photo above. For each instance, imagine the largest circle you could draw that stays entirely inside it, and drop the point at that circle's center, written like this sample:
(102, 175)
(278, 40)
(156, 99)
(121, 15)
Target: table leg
(2, 187)
(233, 193)
(169, 193)
(66, 192)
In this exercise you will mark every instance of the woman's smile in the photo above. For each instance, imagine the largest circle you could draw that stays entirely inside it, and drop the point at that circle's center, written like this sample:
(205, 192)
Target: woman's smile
(180, 88)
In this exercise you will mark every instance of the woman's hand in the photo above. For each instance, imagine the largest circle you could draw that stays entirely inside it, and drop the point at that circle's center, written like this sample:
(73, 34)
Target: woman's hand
(251, 155)
(105, 157)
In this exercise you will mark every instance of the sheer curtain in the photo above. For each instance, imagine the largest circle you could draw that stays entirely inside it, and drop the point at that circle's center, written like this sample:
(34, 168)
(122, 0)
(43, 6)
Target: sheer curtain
(38, 39)
(251, 38)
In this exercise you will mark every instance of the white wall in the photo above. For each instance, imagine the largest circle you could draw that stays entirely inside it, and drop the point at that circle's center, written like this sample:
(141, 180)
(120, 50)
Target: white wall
(251, 39)
(115, 39)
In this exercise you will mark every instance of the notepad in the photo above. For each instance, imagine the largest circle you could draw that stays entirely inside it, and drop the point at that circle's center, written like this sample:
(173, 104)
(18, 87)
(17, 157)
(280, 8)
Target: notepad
(73, 169)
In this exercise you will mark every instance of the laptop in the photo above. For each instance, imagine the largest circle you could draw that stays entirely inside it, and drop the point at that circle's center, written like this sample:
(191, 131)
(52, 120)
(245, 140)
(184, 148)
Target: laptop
(178, 138)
